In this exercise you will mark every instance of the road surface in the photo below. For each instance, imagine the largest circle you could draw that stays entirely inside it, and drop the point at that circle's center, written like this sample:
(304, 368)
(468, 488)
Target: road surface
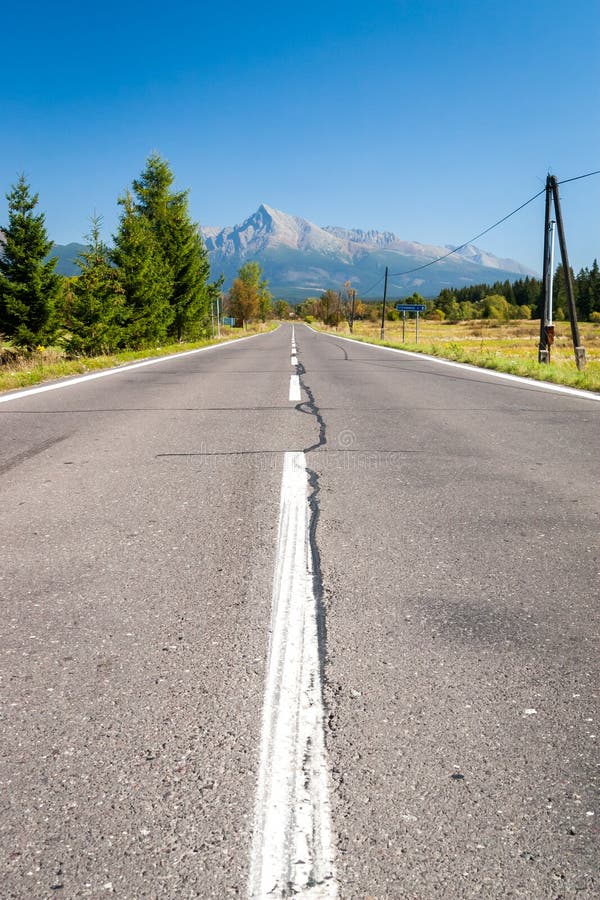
(452, 572)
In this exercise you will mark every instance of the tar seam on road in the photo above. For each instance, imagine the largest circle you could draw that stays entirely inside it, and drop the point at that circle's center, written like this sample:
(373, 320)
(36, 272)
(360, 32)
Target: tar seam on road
(309, 407)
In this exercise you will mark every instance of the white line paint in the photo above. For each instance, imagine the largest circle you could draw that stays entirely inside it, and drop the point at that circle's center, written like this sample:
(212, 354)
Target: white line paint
(530, 382)
(292, 852)
(104, 373)
(295, 395)
(294, 359)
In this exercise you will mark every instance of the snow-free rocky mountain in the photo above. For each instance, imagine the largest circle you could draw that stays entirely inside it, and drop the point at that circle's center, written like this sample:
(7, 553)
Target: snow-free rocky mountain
(300, 258)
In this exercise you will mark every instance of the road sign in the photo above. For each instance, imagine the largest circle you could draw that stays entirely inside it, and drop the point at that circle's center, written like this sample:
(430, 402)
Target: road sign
(229, 320)
(411, 307)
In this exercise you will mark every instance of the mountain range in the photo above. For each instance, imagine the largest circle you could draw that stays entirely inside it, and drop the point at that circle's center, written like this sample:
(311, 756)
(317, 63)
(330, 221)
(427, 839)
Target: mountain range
(301, 259)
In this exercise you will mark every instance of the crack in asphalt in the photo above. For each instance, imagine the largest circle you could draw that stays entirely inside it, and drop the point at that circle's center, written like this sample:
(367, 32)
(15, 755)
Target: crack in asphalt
(309, 407)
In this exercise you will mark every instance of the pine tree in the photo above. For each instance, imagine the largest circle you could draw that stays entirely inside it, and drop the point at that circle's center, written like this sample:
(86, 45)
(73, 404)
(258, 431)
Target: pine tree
(95, 301)
(29, 287)
(595, 288)
(180, 242)
(144, 276)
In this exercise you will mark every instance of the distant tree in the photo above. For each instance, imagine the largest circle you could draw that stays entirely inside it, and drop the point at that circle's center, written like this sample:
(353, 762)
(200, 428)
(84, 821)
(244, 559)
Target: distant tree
(242, 301)
(94, 308)
(30, 289)
(594, 287)
(180, 243)
(146, 281)
(331, 312)
(281, 309)
(495, 306)
(250, 297)
(559, 294)
(587, 286)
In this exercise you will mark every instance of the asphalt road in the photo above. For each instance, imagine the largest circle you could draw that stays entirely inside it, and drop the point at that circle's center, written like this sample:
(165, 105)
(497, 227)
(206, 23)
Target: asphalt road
(457, 522)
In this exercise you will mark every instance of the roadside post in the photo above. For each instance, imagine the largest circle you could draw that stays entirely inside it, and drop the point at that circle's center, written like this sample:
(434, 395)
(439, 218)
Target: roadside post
(382, 333)
(410, 307)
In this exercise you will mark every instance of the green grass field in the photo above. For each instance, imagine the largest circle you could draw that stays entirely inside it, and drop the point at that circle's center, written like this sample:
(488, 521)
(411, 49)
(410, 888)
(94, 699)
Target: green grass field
(504, 346)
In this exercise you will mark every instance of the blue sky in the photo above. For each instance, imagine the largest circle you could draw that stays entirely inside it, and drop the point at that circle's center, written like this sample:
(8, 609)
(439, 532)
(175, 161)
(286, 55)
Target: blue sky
(430, 119)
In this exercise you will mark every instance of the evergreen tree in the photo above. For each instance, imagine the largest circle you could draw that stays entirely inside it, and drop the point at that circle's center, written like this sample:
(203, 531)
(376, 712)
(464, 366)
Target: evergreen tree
(180, 242)
(30, 289)
(146, 280)
(95, 301)
(594, 288)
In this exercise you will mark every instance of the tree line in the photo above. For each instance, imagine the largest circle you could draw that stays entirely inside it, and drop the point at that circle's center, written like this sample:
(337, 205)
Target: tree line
(501, 300)
(151, 286)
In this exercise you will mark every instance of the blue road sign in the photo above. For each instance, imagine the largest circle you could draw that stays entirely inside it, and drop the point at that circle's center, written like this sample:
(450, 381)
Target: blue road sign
(229, 320)
(410, 307)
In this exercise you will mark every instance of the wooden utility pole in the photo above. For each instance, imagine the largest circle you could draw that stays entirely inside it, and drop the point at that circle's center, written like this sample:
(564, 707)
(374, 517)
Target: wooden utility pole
(580, 360)
(384, 302)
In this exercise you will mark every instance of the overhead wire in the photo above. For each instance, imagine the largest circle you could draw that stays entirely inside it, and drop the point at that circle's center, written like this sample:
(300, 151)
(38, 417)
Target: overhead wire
(477, 236)
(466, 243)
(579, 177)
(374, 285)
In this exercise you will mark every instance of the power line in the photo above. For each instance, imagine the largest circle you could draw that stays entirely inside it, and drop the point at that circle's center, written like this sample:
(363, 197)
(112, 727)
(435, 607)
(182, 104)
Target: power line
(578, 177)
(374, 285)
(477, 236)
(466, 243)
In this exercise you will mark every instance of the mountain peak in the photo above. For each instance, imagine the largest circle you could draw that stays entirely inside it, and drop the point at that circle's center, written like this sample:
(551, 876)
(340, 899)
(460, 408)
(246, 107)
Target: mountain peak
(298, 256)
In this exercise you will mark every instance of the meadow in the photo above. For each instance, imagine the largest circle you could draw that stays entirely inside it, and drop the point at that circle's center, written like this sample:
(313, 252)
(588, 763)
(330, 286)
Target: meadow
(504, 346)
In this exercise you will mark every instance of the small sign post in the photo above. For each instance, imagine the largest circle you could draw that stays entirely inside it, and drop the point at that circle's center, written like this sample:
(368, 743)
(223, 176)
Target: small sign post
(410, 307)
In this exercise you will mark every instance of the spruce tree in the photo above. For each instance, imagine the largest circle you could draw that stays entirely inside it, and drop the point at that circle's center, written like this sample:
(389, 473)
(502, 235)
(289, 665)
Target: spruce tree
(29, 287)
(145, 277)
(180, 242)
(95, 301)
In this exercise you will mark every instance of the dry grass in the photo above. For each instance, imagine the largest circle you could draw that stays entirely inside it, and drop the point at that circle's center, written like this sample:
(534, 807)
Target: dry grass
(504, 346)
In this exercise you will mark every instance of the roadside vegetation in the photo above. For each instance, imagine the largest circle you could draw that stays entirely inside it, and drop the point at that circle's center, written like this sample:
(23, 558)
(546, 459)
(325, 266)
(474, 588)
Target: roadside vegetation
(504, 346)
(495, 326)
(46, 364)
(147, 294)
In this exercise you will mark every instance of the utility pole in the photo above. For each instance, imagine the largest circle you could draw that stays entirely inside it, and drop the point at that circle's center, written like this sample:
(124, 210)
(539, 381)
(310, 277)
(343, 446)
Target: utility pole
(384, 302)
(353, 292)
(580, 359)
(543, 349)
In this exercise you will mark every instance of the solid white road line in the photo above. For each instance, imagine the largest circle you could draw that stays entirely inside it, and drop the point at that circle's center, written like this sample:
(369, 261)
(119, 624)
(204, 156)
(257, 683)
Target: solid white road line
(104, 373)
(295, 395)
(292, 850)
(504, 376)
(294, 359)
